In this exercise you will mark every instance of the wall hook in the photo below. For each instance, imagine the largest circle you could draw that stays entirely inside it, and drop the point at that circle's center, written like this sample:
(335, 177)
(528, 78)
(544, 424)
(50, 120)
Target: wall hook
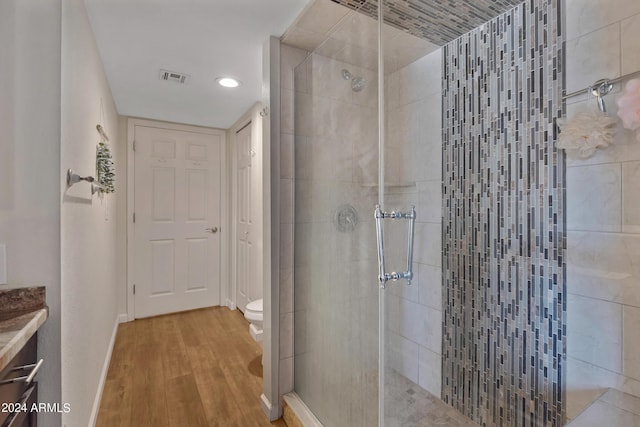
(599, 89)
(74, 178)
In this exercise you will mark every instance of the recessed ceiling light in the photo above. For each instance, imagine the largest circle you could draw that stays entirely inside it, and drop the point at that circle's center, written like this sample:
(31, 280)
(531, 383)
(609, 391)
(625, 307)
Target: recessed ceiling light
(227, 82)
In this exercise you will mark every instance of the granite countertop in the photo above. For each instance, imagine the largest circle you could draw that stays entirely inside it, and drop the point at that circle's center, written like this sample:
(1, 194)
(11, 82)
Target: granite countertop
(22, 312)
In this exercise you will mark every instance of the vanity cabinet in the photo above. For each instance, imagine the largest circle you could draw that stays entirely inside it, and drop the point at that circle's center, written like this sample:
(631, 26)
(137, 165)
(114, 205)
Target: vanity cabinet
(17, 396)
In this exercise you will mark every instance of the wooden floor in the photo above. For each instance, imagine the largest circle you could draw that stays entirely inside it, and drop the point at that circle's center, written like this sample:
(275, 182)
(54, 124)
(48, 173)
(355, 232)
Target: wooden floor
(197, 368)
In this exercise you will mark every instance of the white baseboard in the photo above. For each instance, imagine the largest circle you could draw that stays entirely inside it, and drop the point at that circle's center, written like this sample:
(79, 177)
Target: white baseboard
(105, 370)
(271, 411)
(231, 304)
(123, 318)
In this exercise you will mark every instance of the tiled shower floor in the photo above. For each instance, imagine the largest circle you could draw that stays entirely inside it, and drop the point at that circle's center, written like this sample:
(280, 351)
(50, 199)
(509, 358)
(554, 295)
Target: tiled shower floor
(407, 404)
(613, 408)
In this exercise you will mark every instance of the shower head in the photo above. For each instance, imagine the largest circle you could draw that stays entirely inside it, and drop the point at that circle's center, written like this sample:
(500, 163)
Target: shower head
(357, 83)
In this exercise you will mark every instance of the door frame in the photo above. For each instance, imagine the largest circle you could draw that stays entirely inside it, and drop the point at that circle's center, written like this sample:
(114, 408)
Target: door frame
(224, 208)
(254, 118)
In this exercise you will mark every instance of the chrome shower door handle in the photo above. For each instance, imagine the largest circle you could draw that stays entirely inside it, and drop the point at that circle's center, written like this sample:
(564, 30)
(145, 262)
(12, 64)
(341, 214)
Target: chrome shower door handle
(412, 220)
(383, 276)
(379, 215)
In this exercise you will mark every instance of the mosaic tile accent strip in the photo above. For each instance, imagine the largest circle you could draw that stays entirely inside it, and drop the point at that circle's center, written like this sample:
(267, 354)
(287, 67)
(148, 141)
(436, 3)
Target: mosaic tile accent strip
(504, 232)
(434, 20)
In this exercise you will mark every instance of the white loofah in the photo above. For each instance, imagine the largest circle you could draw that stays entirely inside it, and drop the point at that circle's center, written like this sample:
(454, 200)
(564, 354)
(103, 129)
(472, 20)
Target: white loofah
(585, 132)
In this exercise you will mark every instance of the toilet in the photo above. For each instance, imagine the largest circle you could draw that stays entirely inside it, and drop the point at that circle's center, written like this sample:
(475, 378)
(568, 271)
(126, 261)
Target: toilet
(253, 313)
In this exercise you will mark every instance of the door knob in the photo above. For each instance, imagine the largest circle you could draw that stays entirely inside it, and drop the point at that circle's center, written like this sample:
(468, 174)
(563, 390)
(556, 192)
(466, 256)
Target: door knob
(211, 230)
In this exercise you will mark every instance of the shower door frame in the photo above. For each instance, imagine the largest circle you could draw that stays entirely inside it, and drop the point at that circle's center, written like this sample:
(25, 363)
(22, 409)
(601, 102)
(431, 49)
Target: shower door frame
(271, 405)
(270, 399)
(381, 180)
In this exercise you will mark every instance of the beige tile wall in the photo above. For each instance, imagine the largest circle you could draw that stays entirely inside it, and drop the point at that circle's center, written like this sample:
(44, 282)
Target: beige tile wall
(603, 213)
(290, 57)
(414, 155)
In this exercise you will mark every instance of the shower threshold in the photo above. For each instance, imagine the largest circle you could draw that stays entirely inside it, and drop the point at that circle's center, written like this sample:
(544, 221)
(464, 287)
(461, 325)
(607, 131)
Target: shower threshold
(407, 404)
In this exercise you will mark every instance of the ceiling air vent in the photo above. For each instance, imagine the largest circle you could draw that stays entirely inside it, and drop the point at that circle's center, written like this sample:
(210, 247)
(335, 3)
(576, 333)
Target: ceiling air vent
(172, 76)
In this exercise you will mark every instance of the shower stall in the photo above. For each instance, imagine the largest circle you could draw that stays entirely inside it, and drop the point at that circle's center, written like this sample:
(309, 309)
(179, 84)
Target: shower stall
(445, 305)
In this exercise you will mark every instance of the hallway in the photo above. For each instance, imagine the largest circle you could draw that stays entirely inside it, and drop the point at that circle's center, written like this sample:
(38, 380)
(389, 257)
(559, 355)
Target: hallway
(196, 368)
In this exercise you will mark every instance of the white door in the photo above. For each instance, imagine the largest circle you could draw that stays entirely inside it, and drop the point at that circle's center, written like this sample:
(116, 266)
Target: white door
(244, 218)
(177, 220)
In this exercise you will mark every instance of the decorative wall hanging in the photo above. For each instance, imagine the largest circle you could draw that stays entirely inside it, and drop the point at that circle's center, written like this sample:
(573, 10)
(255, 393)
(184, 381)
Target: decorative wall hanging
(105, 172)
(103, 182)
(104, 168)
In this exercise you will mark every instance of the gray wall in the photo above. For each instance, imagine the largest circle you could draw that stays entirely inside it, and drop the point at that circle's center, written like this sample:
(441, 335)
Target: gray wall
(30, 178)
(91, 286)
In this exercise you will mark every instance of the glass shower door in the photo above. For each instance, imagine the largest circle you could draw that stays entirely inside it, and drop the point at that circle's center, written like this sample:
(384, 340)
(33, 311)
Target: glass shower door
(335, 264)
(410, 198)
(359, 348)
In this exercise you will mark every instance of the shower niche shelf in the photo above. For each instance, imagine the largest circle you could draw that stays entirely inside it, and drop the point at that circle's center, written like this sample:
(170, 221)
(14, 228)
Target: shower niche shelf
(391, 186)
(402, 184)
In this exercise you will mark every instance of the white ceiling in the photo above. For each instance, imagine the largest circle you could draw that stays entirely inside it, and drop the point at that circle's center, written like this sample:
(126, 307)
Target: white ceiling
(202, 38)
(332, 30)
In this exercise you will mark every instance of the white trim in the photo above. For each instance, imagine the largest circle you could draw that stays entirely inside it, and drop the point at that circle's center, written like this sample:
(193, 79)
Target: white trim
(224, 197)
(129, 230)
(103, 374)
(123, 318)
(245, 119)
(271, 224)
(252, 116)
(231, 150)
(302, 411)
(231, 304)
(224, 221)
(271, 411)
